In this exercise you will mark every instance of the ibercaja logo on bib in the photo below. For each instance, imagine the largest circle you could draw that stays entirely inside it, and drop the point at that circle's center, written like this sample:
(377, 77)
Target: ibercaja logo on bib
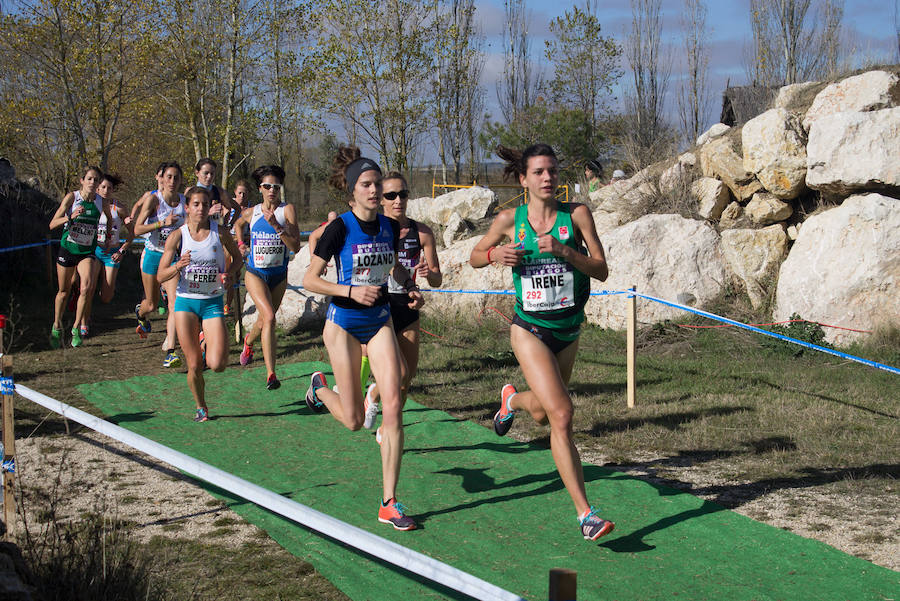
(564, 232)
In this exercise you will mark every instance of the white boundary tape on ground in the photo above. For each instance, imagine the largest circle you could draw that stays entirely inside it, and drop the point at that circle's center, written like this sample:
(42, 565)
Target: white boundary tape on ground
(376, 546)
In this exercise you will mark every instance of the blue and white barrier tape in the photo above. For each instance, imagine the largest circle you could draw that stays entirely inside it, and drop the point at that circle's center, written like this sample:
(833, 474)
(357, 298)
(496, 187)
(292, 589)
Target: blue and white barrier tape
(8, 465)
(32, 245)
(7, 386)
(808, 345)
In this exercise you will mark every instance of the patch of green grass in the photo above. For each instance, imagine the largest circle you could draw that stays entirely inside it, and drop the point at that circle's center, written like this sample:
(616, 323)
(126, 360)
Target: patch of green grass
(873, 538)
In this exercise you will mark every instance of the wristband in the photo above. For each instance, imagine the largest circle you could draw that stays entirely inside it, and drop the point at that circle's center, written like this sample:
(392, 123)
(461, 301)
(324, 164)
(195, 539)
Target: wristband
(489, 253)
(241, 244)
(159, 225)
(349, 290)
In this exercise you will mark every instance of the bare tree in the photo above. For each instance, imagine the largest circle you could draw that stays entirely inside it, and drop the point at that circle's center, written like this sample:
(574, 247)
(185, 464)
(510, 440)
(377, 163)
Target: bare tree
(518, 88)
(693, 102)
(458, 96)
(795, 40)
(646, 132)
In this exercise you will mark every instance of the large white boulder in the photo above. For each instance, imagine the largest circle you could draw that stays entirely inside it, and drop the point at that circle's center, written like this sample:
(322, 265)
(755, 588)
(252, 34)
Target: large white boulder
(754, 256)
(666, 256)
(844, 268)
(456, 229)
(470, 203)
(851, 152)
(679, 175)
(774, 146)
(299, 308)
(868, 91)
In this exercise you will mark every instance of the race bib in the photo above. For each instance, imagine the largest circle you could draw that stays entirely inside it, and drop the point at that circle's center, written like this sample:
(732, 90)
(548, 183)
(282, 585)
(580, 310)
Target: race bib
(82, 233)
(548, 286)
(164, 234)
(268, 252)
(203, 279)
(409, 258)
(101, 234)
(372, 263)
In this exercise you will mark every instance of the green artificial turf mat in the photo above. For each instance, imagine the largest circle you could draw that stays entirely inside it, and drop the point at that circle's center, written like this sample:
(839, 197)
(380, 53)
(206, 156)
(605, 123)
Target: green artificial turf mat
(493, 507)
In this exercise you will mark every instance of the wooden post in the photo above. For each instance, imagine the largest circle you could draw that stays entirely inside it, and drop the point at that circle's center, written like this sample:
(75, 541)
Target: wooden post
(563, 584)
(632, 319)
(9, 453)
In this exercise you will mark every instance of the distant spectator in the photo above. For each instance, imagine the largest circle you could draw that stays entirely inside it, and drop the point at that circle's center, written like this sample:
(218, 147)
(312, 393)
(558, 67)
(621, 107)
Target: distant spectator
(593, 173)
(617, 175)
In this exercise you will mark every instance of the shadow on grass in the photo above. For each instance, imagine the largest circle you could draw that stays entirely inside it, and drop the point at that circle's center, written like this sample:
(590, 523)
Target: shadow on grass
(670, 421)
(633, 542)
(137, 417)
(762, 381)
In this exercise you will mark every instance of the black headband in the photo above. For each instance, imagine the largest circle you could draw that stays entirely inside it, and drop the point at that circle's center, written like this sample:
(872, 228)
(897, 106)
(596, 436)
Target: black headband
(357, 168)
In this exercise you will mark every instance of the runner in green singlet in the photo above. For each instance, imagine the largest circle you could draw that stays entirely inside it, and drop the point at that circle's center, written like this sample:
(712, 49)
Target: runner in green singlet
(552, 273)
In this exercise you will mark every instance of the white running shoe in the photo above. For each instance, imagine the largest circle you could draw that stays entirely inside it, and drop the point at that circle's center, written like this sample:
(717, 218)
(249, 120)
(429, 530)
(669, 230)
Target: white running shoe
(371, 407)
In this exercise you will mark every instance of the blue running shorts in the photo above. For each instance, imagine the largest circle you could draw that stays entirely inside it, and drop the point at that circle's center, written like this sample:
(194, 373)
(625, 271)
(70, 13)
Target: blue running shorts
(362, 324)
(204, 308)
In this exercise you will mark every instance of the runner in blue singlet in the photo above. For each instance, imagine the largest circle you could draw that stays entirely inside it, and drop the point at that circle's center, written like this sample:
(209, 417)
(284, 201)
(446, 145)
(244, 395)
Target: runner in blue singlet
(363, 244)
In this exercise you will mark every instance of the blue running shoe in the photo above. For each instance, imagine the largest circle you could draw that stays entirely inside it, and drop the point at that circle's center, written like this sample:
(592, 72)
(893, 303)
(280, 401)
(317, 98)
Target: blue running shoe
(202, 415)
(143, 328)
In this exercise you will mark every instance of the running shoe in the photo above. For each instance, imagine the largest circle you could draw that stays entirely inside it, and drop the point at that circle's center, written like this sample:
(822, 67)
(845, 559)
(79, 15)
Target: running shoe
(76, 338)
(84, 331)
(316, 381)
(172, 360)
(55, 337)
(371, 407)
(226, 309)
(503, 419)
(272, 383)
(394, 514)
(592, 527)
(246, 354)
(378, 435)
(202, 415)
(163, 300)
(143, 328)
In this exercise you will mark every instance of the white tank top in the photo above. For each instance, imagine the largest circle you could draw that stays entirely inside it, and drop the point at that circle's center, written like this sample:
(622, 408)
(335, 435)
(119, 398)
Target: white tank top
(157, 239)
(200, 279)
(114, 228)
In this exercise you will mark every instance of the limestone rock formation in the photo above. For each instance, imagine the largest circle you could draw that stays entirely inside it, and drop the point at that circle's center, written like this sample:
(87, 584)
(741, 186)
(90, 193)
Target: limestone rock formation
(712, 195)
(754, 256)
(868, 91)
(844, 268)
(765, 209)
(664, 256)
(456, 229)
(852, 152)
(721, 160)
(774, 146)
(717, 130)
(469, 203)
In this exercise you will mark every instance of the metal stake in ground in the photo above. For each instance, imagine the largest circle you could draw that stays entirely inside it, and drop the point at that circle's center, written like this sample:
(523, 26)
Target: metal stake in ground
(563, 585)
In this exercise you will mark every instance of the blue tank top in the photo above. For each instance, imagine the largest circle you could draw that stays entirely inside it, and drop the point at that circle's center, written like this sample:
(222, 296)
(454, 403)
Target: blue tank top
(365, 260)
(267, 252)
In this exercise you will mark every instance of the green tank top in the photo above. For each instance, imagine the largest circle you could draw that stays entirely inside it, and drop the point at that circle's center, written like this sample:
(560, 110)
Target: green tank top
(80, 237)
(550, 292)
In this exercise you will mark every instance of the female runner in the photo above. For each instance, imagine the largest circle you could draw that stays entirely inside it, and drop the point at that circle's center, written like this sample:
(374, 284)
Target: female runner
(418, 254)
(80, 212)
(201, 285)
(222, 204)
(552, 279)
(273, 232)
(240, 202)
(109, 252)
(363, 244)
(161, 214)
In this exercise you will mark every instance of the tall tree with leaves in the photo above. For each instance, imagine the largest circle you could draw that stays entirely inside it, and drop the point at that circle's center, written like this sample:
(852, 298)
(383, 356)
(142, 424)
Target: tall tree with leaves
(585, 63)
(74, 69)
(458, 96)
(374, 69)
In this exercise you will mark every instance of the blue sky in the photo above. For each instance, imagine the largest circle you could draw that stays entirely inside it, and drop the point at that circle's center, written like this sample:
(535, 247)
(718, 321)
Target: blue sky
(869, 28)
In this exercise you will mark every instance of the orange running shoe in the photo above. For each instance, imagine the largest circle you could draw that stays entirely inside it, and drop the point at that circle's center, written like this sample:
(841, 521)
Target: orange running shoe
(393, 513)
